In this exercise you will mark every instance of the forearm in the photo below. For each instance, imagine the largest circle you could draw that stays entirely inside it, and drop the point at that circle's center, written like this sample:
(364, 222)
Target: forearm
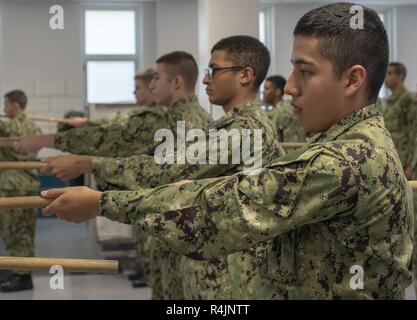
(180, 221)
(85, 140)
(143, 171)
(215, 217)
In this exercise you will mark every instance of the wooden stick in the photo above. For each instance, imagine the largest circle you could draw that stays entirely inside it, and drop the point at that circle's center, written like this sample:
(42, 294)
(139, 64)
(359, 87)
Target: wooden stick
(22, 165)
(48, 119)
(291, 145)
(413, 184)
(69, 265)
(24, 202)
(9, 138)
(7, 144)
(43, 118)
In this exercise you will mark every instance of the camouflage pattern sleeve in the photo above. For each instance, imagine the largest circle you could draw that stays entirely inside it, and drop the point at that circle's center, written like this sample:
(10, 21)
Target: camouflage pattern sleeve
(412, 128)
(214, 217)
(117, 139)
(216, 142)
(144, 170)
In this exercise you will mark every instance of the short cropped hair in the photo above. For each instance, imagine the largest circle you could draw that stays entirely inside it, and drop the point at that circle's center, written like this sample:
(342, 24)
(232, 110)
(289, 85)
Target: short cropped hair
(345, 46)
(278, 82)
(17, 96)
(400, 69)
(145, 76)
(181, 63)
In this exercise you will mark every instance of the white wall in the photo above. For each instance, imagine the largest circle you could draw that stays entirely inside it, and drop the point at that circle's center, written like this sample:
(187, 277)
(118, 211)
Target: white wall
(177, 26)
(407, 42)
(148, 44)
(286, 17)
(46, 64)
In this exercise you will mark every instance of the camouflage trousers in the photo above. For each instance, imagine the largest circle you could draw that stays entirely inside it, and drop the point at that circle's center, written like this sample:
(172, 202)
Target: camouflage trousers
(17, 230)
(144, 259)
(142, 256)
(164, 268)
(237, 276)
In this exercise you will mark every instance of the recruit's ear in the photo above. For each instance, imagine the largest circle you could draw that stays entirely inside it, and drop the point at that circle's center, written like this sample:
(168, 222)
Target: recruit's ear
(355, 80)
(178, 82)
(247, 75)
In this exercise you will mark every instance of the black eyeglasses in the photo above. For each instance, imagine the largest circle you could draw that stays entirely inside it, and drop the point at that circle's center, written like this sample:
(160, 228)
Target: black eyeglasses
(210, 71)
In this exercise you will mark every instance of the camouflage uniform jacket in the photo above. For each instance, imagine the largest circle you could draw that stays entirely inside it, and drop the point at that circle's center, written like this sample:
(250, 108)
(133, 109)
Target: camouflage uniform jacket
(18, 182)
(286, 123)
(400, 117)
(340, 202)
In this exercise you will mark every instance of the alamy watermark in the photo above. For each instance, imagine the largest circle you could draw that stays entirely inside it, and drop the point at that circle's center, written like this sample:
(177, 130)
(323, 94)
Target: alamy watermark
(57, 280)
(215, 147)
(357, 281)
(56, 22)
(356, 21)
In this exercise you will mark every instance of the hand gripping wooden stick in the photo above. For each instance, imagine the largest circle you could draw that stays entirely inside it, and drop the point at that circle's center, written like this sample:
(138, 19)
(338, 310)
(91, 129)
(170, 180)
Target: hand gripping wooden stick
(69, 265)
(22, 165)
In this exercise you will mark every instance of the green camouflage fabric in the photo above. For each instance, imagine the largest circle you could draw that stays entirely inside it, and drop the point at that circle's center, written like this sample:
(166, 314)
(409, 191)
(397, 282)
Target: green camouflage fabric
(286, 123)
(414, 263)
(136, 136)
(159, 263)
(204, 279)
(339, 204)
(120, 118)
(400, 117)
(17, 226)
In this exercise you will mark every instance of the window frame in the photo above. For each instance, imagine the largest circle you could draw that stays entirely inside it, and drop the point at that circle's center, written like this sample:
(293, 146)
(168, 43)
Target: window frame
(270, 40)
(136, 57)
(389, 14)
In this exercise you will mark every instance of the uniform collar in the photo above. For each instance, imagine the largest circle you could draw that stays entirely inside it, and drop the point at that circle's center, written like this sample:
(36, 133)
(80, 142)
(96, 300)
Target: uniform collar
(186, 100)
(346, 123)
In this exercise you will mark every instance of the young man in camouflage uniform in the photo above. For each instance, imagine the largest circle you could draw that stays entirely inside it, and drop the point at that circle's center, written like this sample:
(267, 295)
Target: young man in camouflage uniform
(232, 85)
(337, 206)
(17, 226)
(400, 115)
(282, 116)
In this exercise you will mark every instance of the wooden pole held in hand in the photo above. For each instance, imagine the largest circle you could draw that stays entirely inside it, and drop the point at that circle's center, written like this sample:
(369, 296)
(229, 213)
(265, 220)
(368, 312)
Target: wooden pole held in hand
(413, 185)
(42, 118)
(24, 202)
(69, 265)
(48, 119)
(7, 143)
(291, 145)
(22, 165)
